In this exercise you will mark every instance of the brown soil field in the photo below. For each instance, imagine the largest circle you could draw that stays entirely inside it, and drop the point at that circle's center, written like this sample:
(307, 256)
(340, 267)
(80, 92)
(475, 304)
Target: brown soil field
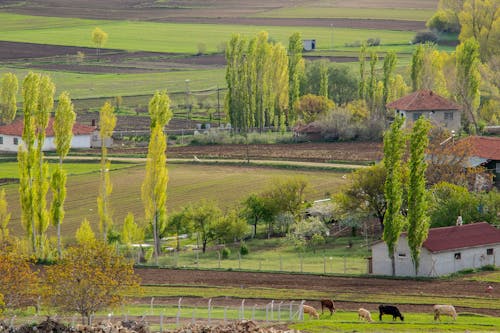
(332, 284)
(310, 152)
(63, 58)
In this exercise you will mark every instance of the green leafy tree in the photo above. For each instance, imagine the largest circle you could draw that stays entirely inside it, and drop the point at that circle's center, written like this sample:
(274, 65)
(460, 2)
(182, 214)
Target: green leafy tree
(480, 19)
(107, 123)
(394, 146)
(131, 232)
(323, 83)
(418, 219)
(295, 71)
(257, 209)
(8, 93)
(231, 227)
(154, 187)
(417, 67)
(309, 107)
(179, 223)
(389, 67)
(446, 18)
(362, 75)
(92, 277)
(84, 234)
(468, 79)
(371, 89)
(364, 194)
(4, 217)
(204, 216)
(38, 92)
(99, 38)
(63, 131)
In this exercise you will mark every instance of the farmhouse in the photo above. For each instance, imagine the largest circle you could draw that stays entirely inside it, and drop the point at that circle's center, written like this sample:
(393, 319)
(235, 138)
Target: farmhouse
(11, 136)
(446, 250)
(485, 151)
(437, 109)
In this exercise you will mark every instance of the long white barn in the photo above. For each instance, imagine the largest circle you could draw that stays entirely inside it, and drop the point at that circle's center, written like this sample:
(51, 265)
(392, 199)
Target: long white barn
(446, 250)
(11, 136)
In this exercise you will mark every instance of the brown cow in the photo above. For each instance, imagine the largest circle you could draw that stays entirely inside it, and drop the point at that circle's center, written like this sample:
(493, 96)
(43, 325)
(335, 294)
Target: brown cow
(327, 303)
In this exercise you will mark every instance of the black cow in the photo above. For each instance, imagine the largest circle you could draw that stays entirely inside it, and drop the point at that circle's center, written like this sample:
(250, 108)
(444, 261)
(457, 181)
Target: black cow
(390, 310)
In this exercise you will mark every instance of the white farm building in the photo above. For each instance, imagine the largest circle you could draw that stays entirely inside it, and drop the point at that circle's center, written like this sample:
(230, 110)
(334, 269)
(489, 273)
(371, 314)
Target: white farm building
(446, 250)
(11, 136)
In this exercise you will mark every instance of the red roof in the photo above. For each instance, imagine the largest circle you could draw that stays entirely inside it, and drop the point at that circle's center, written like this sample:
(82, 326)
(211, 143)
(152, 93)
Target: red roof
(423, 100)
(458, 237)
(484, 147)
(16, 128)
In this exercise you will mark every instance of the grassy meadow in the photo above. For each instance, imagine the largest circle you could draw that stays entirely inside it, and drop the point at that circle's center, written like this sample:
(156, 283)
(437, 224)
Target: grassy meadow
(188, 184)
(414, 14)
(172, 37)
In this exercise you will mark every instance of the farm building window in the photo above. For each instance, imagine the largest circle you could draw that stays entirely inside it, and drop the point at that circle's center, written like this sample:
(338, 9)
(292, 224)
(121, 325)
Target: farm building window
(402, 255)
(489, 252)
(1, 140)
(458, 256)
(417, 115)
(16, 141)
(448, 116)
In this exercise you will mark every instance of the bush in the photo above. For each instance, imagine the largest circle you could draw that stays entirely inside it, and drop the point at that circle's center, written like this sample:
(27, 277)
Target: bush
(226, 252)
(424, 37)
(243, 249)
(373, 41)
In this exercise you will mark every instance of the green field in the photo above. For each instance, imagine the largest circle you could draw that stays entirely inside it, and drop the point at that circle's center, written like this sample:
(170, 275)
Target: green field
(188, 184)
(81, 85)
(10, 169)
(351, 13)
(170, 37)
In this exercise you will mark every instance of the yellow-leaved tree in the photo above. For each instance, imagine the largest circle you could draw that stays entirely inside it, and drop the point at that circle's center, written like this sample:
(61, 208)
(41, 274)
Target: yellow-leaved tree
(92, 277)
(99, 38)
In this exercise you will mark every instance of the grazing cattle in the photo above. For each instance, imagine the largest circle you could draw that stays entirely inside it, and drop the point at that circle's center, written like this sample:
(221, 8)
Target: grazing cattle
(327, 303)
(364, 314)
(445, 310)
(311, 311)
(390, 310)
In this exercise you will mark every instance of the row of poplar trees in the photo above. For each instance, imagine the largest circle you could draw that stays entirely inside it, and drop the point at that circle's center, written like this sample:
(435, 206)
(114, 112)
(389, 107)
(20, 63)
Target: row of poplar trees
(263, 80)
(35, 180)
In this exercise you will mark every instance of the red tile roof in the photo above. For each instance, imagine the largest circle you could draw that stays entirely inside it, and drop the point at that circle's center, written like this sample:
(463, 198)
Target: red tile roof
(458, 237)
(423, 100)
(484, 147)
(16, 128)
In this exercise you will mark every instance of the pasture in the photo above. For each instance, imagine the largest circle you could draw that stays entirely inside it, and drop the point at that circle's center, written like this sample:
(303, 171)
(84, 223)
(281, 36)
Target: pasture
(175, 37)
(189, 183)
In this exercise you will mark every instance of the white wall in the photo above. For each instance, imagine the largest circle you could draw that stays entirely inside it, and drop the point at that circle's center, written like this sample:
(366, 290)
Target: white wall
(78, 141)
(431, 264)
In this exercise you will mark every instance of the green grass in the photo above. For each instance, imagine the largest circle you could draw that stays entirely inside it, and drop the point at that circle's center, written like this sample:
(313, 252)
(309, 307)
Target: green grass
(278, 255)
(487, 277)
(414, 322)
(351, 13)
(170, 37)
(10, 169)
(188, 184)
(82, 85)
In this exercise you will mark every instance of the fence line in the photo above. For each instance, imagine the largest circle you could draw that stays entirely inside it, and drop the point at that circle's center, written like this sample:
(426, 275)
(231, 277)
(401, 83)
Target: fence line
(175, 314)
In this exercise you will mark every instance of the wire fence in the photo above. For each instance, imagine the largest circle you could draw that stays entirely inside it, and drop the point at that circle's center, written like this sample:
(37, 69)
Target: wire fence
(292, 263)
(168, 315)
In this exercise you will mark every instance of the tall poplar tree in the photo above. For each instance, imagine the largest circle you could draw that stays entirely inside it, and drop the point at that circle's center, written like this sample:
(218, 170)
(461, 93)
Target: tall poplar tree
(4, 217)
(26, 157)
(389, 66)
(372, 82)
(296, 70)
(107, 123)
(280, 83)
(154, 187)
(418, 220)
(263, 69)
(38, 96)
(417, 67)
(362, 74)
(468, 78)
(323, 79)
(237, 86)
(394, 145)
(8, 103)
(63, 133)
